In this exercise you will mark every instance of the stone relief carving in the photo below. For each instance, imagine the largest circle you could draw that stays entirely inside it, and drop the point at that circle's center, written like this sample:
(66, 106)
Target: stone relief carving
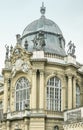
(20, 65)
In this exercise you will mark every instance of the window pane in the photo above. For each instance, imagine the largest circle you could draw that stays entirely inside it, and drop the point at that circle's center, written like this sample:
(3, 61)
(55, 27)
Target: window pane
(54, 94)
(17, 106)
(28, 94)
(17, 96)
(22, 93)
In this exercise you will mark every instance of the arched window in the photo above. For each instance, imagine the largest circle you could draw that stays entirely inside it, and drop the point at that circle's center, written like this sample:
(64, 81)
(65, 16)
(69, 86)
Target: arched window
(54, 94)
(56, 128)
(22, 94)
(77, 95)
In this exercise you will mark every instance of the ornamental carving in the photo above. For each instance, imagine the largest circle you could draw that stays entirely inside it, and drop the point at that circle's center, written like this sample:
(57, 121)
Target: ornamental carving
(19, 53)
(20, 65)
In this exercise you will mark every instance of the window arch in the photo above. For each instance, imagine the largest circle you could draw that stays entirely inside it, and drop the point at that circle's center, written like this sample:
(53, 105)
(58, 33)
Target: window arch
(54, 94)
(22, 94)
(77, 95)
(56, 128)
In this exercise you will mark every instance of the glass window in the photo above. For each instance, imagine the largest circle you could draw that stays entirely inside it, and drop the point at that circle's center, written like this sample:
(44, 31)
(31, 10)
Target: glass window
(22, 94)
(53, 98)
(77, 95)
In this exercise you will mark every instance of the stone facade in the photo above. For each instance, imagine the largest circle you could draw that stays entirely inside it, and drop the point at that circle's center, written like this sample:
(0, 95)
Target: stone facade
(39, 71)
(39, 86)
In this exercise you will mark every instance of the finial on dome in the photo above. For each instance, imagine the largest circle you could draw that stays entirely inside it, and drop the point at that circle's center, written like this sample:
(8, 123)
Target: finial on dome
(42, 9)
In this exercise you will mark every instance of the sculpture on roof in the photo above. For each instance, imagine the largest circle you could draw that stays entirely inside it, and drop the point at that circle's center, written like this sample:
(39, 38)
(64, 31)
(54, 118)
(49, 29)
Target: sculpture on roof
(7, 51)
(71, 49)
(39, 41)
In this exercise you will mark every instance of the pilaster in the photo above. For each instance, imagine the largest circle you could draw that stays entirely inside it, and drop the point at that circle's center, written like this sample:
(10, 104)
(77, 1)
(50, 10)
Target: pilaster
(63, 103)
(5, 95)
(41, 91)
(74, 92)
(69, 91)
(34, 91)
(8, 125)
(26, 124)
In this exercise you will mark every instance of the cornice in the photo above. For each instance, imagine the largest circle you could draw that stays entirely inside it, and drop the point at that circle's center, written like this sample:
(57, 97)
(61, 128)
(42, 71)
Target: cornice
(38, 60)
(4, 70)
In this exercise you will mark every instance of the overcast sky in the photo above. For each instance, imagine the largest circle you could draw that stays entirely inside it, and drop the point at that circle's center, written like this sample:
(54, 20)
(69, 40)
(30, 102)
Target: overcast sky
(15, 15)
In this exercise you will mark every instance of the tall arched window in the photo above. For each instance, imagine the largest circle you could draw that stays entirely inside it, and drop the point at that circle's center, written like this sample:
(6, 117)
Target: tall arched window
(54, 94)
(77, 95)
(22, 94)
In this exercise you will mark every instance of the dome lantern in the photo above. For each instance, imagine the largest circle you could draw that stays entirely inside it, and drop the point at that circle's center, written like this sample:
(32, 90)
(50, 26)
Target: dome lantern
(42, 9)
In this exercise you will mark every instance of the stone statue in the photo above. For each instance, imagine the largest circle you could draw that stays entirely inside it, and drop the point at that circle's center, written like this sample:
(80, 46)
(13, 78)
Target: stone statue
(71, 49)
(19, 65)
(39, 41)
(11, 49)
(18, 39)
(7, 51)
(26, 45)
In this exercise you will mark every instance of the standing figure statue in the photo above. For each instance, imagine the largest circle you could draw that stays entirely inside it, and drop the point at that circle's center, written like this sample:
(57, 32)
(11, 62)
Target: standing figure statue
(71, 49)
(39, 41)
(35, 42)
(7, 51)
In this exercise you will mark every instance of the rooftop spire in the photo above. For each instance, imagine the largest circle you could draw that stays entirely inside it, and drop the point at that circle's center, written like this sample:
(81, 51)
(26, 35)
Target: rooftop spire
(42, 9)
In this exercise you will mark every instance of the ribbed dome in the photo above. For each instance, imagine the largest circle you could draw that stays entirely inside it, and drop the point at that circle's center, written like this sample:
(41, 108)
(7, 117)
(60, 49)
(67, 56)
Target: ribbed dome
(42, 24)
(53, 38)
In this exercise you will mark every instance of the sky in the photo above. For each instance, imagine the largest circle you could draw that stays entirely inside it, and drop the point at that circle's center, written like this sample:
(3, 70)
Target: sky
(15, 15)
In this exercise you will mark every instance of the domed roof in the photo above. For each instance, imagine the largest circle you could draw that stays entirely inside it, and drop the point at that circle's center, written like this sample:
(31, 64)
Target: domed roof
(47, 30)
(43, 24)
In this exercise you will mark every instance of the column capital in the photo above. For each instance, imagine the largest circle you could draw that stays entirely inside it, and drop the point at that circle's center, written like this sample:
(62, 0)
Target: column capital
(41, 71)
(75, 77)
(34, 71)
(70, 75)
(5, 80)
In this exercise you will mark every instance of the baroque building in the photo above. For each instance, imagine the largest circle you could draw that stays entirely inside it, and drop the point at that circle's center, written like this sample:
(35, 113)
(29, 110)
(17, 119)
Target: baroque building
(42, 86)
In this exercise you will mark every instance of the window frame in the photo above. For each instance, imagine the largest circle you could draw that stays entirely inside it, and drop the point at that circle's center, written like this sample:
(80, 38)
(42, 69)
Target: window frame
(21, 90)
(53, 94)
